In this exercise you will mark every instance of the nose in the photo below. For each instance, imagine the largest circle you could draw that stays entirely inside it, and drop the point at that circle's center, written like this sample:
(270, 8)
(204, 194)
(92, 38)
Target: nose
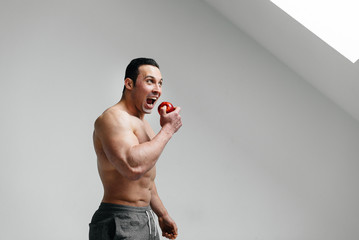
(157, 89)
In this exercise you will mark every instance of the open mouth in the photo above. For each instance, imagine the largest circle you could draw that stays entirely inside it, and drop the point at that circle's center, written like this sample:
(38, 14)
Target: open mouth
(151, 101)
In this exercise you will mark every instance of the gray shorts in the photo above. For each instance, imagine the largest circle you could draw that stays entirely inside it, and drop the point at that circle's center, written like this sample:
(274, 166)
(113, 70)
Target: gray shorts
(113, 221)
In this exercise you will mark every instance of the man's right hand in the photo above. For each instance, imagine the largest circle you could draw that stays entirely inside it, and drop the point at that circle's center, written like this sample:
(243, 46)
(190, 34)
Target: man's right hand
(170, 121)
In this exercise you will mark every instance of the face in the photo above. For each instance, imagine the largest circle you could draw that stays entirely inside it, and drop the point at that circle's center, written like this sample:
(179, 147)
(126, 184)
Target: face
(148, 88)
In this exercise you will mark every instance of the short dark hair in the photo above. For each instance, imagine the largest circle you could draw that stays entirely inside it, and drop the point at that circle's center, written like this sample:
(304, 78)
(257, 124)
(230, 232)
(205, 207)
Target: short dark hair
(132, 68)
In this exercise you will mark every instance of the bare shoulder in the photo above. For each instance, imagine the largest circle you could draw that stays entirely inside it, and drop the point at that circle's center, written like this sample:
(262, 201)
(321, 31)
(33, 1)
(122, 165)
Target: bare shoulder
(114, 118)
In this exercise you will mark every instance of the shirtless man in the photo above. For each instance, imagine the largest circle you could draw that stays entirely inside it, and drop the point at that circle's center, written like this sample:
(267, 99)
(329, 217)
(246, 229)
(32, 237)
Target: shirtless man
(127, 150)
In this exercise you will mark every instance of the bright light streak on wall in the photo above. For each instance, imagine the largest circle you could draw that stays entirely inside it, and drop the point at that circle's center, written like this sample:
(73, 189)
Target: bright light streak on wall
(334, 21)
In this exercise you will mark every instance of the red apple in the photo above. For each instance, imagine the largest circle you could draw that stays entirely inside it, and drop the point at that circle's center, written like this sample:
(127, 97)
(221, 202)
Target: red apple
(169, 107)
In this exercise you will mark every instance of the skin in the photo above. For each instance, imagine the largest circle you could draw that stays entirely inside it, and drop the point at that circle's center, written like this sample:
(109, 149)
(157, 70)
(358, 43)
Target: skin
(127, 148)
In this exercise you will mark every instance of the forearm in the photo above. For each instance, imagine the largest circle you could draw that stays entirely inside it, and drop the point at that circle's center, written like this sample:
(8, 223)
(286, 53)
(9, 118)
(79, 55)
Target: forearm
(168, 226)
(156, 204)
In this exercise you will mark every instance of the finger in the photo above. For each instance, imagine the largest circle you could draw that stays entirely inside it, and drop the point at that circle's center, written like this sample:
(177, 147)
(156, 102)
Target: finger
(170, 236)
(177, 109)
(167, 235)
(163, 110)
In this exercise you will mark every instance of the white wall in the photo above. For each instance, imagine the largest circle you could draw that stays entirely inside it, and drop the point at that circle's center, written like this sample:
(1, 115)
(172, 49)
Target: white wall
(261, 155)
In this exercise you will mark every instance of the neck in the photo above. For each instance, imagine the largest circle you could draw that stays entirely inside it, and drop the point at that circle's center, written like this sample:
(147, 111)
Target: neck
(130, 107)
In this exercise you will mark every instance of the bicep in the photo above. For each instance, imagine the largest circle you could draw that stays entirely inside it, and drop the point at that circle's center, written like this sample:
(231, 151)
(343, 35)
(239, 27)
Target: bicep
(116, 138)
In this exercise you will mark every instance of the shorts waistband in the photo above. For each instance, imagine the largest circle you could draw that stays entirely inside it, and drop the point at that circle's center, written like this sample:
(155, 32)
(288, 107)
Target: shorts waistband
(119, 207)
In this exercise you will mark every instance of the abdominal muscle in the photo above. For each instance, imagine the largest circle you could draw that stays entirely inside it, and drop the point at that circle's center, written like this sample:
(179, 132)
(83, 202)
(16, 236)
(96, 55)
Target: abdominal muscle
(120, 190)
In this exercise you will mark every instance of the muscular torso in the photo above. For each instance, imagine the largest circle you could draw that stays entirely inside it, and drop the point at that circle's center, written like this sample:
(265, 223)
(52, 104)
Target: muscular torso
(117, 188)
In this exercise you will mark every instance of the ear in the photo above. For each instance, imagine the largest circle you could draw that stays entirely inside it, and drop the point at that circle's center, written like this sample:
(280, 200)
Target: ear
(128, 83)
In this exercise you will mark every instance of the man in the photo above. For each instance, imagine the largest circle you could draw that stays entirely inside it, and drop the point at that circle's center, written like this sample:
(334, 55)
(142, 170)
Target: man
(127, 150)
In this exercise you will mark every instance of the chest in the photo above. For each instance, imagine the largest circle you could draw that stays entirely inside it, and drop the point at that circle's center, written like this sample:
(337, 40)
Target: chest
(143, 131)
